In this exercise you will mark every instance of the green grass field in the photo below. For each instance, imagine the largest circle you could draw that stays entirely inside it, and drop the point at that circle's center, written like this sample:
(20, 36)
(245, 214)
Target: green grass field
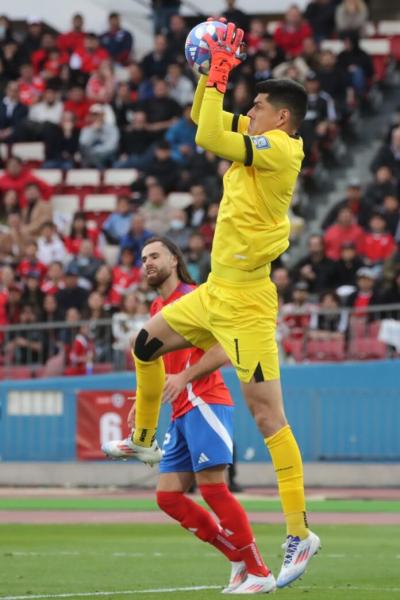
(122, 561)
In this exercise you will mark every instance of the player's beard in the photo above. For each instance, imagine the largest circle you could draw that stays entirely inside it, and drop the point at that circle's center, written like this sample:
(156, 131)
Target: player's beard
(157, 277)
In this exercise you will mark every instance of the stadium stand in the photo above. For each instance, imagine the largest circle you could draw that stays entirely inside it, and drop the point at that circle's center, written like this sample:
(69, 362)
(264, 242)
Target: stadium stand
(53, 88)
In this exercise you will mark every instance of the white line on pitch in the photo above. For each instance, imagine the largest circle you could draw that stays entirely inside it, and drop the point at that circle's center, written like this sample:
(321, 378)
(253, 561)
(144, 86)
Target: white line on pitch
(196, 588)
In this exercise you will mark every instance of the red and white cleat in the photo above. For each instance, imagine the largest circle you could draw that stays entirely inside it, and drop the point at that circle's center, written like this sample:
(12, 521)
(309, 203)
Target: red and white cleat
(126, 449)
(256, 585)
(298, 554)
(238, 576)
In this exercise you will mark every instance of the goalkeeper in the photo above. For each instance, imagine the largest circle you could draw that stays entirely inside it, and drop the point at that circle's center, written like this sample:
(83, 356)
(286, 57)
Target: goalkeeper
(237, 306)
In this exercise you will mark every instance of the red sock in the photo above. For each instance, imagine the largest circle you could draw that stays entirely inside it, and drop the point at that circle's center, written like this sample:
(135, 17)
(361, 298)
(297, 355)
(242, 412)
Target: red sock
(233, 519)
(196, 519)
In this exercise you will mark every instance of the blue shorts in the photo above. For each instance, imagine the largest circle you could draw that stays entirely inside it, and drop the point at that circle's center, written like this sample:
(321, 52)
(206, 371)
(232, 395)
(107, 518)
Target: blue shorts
(200, 439)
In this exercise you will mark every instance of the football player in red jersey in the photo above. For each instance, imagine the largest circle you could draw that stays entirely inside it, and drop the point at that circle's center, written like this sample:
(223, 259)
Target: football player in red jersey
(198, 444)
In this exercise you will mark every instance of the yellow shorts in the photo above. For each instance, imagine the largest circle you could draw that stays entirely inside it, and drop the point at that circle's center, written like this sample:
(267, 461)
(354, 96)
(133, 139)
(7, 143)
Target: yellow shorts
(240, 316)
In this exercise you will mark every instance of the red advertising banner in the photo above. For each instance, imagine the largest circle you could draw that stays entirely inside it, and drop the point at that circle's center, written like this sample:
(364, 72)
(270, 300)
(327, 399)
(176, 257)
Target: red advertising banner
(101, 417)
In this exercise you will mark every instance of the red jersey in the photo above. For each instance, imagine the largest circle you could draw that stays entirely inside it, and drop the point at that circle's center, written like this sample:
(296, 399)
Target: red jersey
(30, 92)
(71, 41)
(290, 39)
(19, 183)
(377, 247)
(81, 353)
(26, 266)
(88, 62)
(123, 279)
(210, 389)
(79, 109)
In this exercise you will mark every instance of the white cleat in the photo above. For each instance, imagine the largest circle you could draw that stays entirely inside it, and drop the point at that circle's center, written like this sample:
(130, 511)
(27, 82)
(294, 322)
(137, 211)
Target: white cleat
(127, 449)
(298, 554)
(256, 585)
(238, 576)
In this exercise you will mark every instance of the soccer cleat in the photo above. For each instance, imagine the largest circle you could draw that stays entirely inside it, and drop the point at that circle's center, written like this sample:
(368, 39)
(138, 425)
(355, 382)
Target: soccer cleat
(238, 576)
(298, 553)
(256, 585)
(126, 449)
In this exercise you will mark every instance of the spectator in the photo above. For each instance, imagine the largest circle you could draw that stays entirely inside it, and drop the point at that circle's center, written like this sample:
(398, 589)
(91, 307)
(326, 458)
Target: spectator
(197, 209)
(9, 204)
(30, 264)
(32, 293)
(136, 237)
(344, 230)
(291, 32)
(48, 110)
(163, 10)
(235, 15)
(54, 280)
(156, 210)
(100, 333)
(320, 14)
(254, 36)
(17, 178)
(388, 155)
(30, 86)
(44, 58)
(78, 104)
(36, 211)
(315, 268)
(178, 230)
(61, 143)
(12, 58)
(241, 99)
(103, 285)
(280, 277)
(125, 276)
(391, 212)
(12, 113)
(176, 37)
(180, 86)
(79, 232)
(384, 184)
(296, 317)
(271, 50)
(356, 63)
(351, 16)
(378, 245)
(123, 106)
(85, 263)
(392, 296)
(26, 347)
(116, 226)
(262, 67)
(181, 136)
(13, 306)
(365, 295)
(117, 41)
(130, 319)
(329, 325)
(50, 313)
(336, 82)
(161, 110)
(72, 40)
(198, 258)
(101, 85)
(345, 269)
(140, 87)
(82, 353)
(353, 200)
(136, 136)
(162, 167)
(32, 39)
(72, 295)
(98, 141)
(156, 62)
(12, 240)
(88, 57)
(50, 246)
(6, 32)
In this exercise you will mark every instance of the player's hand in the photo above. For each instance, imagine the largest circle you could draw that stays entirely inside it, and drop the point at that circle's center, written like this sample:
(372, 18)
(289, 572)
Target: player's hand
(224, 55)
(174, 384)
(131, 416)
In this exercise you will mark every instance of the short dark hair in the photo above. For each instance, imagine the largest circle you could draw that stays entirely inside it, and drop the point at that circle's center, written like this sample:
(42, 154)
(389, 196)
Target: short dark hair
(182, 271)
(286, 93)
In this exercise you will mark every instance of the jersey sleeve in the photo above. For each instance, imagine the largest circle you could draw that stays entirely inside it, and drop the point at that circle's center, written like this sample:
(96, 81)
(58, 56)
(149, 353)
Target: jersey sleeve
(269, 151)
(231, 122)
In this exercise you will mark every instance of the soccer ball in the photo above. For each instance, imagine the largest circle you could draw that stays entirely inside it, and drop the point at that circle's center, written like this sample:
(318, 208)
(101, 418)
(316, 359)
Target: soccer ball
(196, 49)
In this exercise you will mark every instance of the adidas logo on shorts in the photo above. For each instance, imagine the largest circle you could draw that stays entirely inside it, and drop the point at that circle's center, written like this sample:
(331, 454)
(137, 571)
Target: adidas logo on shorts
(203, 458)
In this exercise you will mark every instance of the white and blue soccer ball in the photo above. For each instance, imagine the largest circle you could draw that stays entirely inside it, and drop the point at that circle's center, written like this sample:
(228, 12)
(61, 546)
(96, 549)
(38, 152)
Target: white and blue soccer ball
(196, 49)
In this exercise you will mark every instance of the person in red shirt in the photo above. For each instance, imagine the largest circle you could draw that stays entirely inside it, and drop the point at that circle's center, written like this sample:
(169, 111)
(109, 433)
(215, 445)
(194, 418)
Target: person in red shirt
(125, 276)
(17, 177)
(74, 39)
(80, 232)
(30, 265)
(378, 244)
(81, 354)
(291, 32)
(47, 51)
(54, 280)
(78, 104)
(198, 443)
(31, 86)
(88, 57)
(344, 230)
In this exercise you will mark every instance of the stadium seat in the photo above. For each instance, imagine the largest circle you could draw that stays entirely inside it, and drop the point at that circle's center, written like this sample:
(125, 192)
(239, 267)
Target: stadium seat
(100, 202)
(100, 368)
(373, 46)
(15, 372)
(53, 177)
(83, 178)
(388, 28)
(366, 348)
(179, 199)
(29, 151)
(325, 350)
(65, 203)
(119, 177)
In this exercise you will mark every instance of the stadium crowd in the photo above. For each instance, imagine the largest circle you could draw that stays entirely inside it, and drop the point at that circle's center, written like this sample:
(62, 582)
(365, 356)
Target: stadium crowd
(94, 105)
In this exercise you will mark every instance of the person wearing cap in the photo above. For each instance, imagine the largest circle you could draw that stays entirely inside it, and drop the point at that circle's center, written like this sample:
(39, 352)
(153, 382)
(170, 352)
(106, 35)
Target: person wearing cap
(345, 229)
(99, 140)
(353, 200)
(366, 293)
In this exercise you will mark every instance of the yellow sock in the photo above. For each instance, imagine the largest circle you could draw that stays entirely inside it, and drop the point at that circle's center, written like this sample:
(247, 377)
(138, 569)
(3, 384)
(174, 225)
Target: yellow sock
(288, 466)
(150, 379)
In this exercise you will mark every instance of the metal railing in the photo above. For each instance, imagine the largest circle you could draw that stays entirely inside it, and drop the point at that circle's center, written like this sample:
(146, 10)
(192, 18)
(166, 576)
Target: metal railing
(312, 335)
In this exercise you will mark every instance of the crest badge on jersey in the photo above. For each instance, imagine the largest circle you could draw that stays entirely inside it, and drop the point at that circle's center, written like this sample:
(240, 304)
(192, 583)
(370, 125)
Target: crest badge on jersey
(260, 142)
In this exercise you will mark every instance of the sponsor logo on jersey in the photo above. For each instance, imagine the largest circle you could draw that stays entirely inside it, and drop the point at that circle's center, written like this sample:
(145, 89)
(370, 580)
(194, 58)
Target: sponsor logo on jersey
(260, 142)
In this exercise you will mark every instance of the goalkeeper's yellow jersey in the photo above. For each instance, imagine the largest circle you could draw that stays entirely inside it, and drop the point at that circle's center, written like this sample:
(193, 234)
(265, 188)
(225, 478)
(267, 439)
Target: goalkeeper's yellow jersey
(253, 225)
